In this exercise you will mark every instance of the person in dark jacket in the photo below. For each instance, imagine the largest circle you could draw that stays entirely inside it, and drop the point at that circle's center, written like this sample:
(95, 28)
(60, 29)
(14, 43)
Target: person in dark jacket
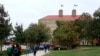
(34, 48)
(9, 51)
(45, 47)
(16, 50)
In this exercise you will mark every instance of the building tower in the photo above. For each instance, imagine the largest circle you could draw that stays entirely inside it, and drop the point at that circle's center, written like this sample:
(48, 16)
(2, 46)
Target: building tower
(61, 11)
(74, 12)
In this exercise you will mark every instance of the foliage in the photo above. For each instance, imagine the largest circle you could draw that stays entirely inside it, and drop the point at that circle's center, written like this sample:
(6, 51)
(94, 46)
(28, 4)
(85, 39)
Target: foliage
(97, 14)
(3, 53)
(66, 34)
(84, 23)
(96, 23)
(19, 33)
(37, 33)
(5, 25)
(31, 33)
(95, 32)
(43, 33)
(95, 28)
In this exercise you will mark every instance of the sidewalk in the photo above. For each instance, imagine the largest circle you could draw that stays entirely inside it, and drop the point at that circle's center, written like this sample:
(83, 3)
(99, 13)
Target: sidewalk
(39, 53)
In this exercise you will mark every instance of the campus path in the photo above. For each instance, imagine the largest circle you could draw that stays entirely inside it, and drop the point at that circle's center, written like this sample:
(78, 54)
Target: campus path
(39, 53)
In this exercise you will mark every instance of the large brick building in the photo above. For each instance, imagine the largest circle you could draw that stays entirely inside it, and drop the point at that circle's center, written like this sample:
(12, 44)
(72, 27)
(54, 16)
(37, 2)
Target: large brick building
(50, 20)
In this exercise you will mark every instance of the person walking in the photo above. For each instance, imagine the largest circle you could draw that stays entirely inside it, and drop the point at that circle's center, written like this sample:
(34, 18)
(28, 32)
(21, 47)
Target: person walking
(9, 50)
(16, 50)
(20, 48)
(28, 48)
(34, 48)
(48, 47)
(45, 48)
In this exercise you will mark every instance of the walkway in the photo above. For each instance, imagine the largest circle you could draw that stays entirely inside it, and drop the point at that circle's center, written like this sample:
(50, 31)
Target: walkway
(39, 53)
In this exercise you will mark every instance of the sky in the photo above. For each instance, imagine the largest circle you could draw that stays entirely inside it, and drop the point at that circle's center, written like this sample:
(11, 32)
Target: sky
(26, 12)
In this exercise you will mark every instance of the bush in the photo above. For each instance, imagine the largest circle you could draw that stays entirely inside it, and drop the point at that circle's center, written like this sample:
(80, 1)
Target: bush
(59, 47)
(3, 53)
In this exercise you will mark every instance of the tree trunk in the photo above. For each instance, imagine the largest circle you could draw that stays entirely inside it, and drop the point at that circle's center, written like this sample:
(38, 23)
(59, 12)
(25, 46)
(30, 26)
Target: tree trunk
(1, 45)
(0, 48)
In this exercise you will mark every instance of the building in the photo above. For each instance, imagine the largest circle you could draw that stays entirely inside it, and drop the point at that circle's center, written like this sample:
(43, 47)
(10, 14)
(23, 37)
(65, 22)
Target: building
(50, 20)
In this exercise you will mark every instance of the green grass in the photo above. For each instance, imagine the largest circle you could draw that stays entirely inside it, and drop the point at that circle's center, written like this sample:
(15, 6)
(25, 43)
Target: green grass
(81, 51)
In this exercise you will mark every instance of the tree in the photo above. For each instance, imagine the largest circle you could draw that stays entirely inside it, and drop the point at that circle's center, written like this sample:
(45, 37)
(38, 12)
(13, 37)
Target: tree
(96, 25)
(5, 25)
(84, 23)
(19, 33)
(66, 34)
(31, 33)
(43, 33)
(97, 14)
(37, 33)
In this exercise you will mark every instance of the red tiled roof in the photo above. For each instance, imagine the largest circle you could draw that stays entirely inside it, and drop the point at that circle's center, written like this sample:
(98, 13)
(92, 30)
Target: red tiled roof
(64, 17)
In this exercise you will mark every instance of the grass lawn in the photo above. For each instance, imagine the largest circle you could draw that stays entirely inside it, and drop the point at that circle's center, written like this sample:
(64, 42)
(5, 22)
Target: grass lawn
(80, 51)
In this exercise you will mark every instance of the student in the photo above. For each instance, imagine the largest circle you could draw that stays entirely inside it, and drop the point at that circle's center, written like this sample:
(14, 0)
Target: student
(48, 46)
(9, 51)
(16, 50)
(45, 47)
(34, 48)
(28, 49)
(20, 48)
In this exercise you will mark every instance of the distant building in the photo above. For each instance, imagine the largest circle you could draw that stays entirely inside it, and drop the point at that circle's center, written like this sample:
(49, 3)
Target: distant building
(50, 20)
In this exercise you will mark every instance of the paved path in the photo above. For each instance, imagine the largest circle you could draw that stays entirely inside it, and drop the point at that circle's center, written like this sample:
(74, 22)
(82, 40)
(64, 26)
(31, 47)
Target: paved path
(39, 53)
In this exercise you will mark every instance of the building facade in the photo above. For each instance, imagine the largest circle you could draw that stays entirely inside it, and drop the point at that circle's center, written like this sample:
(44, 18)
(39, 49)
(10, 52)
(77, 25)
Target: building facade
(50, 20)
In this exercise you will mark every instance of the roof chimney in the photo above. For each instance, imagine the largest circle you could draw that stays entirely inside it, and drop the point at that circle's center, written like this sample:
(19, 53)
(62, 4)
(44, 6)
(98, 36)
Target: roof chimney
(60, 12)
(74, 12)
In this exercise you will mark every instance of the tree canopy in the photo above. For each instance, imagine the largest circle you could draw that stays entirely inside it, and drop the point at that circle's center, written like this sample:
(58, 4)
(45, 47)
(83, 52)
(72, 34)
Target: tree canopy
(37, 33)
(5, 25)
(84, 23)
(96, 24)
(19, 34)
(66, 33)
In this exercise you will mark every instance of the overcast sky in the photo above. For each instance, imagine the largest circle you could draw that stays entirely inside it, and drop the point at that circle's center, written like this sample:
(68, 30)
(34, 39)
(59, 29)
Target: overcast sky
(30, 11)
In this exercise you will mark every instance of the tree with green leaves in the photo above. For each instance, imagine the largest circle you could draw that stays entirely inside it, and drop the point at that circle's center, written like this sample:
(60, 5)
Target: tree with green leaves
(31, 33)
(19, 34)
(5, 25)
(84, 23)
(37, 33)
(96, 25)
(97, 14)
(66, 33)
(43, 33)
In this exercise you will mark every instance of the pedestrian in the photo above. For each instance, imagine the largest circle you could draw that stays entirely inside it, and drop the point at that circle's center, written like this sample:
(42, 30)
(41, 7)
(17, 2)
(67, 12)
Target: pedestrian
(31, 48)
(9, 50)
(28, 48)
(34, 48)
(48, 46)
(16, 50)
(20, 48)
(45, 47)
